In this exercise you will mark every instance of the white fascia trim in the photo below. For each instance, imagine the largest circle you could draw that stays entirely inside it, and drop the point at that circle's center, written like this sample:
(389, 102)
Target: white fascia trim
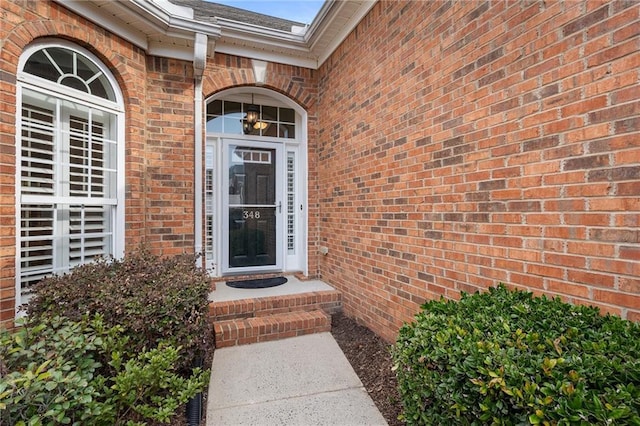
(251, 32)
(167, 21)
(318, 21)
(174, 9)
(184, 53)
(102, 18)
(353, 21)
(267, 55)
(262, 38)
(264, 44)
(161, 20)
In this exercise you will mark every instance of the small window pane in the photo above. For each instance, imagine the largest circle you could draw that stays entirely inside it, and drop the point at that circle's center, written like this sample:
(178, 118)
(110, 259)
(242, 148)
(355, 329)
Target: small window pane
(287, 115)
(214, 108)
(232, 108)
(63, 58)
(85, 69)
(214, 125)
(270, 130)
(269, 113)
(232, 125)
(39, 65)
(287, 131)
(98, 88)
(74, 83)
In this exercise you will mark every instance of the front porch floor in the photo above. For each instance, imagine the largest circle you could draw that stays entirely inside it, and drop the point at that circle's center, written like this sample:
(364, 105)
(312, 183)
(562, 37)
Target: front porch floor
(224, 293)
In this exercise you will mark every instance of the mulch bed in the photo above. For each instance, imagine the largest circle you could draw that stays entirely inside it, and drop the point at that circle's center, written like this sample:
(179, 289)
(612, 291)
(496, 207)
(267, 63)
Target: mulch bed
(370, 357)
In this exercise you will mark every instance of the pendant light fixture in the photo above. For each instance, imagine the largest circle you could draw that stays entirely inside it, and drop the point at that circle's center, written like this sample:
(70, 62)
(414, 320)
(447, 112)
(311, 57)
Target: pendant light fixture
(253, 113)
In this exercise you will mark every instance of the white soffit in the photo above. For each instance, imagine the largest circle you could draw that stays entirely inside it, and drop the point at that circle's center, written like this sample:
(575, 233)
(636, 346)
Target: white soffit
(164, 29)
(157, 26)
(265, 44)
(334, 22)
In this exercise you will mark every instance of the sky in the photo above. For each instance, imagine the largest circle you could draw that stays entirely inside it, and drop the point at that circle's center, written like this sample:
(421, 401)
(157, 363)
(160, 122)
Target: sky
(295, 10)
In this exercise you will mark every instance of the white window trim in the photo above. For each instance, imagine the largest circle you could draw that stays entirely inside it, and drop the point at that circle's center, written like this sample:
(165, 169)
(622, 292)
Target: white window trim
(34, 83)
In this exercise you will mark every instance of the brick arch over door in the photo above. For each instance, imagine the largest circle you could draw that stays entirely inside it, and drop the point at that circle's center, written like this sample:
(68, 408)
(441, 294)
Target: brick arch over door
(299, 84)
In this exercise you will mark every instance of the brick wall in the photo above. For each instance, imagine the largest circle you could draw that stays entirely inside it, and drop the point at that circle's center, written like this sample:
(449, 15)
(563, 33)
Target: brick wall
(169, 192)
(464, 144)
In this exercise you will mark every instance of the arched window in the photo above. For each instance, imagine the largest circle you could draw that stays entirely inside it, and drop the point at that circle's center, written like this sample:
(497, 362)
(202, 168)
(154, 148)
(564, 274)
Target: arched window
(70, 161)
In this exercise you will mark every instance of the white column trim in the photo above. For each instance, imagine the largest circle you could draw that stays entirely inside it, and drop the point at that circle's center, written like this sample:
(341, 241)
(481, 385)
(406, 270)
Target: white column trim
(199, 64)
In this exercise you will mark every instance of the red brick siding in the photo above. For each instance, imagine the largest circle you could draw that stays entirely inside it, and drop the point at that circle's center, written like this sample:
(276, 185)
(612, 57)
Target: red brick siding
(467, 143)
(170, 190)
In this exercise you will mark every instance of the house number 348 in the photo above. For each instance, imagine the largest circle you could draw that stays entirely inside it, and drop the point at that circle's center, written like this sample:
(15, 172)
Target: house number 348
(250, 214)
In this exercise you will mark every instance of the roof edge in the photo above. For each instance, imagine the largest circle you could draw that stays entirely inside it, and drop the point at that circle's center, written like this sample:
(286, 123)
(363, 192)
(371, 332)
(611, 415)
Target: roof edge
(334, 22)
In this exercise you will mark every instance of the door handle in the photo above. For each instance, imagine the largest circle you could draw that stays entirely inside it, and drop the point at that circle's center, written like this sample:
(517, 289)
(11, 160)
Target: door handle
(279, 206)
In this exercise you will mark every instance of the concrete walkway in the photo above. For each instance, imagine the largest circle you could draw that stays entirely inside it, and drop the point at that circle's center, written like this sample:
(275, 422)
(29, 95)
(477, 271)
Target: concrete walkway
(303, 380)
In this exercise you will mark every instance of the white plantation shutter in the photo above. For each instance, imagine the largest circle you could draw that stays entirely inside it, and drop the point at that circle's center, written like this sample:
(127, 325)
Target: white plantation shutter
(89, 233)
(68, 171)
(36, 243)
(37, 151)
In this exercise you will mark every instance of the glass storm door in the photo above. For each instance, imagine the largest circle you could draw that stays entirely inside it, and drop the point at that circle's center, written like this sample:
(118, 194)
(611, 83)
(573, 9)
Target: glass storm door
(252, 206)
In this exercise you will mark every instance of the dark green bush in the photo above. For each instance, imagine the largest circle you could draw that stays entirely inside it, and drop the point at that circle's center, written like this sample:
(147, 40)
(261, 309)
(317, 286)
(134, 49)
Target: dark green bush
(53, 374)
(505, 357)
(150, 298)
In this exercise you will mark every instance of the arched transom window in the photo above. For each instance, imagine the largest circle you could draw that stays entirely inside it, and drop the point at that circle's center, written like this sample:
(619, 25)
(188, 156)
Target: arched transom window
(69, 164)
(70, 68)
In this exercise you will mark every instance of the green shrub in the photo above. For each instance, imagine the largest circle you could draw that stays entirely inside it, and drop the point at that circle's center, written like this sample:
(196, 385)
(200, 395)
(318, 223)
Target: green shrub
(151, 298)
(51, 374)
(505, 357)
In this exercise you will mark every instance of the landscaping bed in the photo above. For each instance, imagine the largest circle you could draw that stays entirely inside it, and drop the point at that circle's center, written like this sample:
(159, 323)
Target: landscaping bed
(370, 357)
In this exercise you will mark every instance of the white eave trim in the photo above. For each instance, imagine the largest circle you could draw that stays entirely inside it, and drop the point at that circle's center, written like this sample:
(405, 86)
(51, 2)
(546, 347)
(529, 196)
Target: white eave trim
(105, 20)
(264, 44)
(268, 54)
(161, 20)
(248, 32)
(327, 13)
(165, 20)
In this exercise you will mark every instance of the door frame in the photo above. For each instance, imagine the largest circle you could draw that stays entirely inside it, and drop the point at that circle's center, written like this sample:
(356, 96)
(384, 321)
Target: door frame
(280, 168)
(212, 209)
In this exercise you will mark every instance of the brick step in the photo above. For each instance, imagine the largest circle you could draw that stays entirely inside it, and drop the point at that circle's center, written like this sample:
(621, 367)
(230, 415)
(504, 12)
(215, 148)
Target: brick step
(329, 301)
(242, 331)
